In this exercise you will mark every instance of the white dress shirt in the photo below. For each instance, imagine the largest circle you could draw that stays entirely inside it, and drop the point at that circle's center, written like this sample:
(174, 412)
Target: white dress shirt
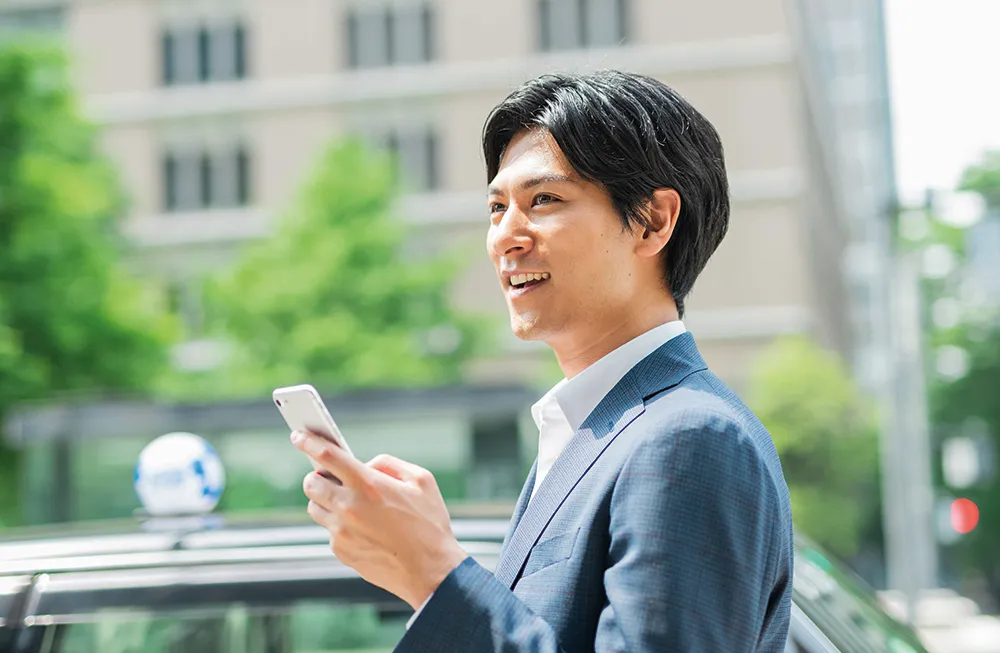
(562, 411)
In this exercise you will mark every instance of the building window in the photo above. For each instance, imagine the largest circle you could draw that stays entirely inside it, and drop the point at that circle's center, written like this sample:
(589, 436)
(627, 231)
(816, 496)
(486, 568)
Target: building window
(184, 298)
(575, 24)
(389, 35)
(198, 180)
(415, 151)
(41, 20)
(203, 54)
(496, 459)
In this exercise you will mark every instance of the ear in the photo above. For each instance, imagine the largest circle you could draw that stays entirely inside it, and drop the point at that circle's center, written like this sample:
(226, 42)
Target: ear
(664, 209)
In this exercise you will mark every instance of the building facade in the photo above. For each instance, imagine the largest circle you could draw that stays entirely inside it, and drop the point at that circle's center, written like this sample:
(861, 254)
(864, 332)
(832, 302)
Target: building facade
(215, 111)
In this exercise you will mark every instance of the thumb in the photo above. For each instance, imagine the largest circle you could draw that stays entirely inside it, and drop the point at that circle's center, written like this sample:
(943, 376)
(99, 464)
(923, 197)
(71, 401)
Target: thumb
(396, 468)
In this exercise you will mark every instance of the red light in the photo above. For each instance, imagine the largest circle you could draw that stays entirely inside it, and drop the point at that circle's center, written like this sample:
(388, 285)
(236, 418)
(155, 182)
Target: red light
(964, 515)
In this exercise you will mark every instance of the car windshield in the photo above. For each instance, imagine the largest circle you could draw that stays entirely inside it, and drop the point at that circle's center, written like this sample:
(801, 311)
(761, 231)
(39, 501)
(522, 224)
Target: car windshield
(302, 627)
(845, 609)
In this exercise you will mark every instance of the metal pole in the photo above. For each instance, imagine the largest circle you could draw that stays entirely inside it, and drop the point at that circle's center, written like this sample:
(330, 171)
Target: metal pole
(892, 451)
(911, 553)
(912, 420)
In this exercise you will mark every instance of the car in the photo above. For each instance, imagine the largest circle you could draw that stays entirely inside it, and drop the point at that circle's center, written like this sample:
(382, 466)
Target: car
(246, 585)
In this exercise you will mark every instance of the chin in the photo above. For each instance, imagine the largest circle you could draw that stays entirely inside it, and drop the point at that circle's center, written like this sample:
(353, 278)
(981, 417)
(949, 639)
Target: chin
(525, 328)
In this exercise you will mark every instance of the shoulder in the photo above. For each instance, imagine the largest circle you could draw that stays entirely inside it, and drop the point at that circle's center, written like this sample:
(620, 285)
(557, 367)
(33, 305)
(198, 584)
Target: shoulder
(700, 433)
(693, 415)
(702, 430)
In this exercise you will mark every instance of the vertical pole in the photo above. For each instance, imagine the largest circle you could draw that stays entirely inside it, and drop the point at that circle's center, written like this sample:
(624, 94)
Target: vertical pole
(908, 499)
(62, 480)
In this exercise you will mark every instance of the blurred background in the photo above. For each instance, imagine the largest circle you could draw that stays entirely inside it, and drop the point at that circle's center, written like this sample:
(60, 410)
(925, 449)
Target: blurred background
(201, 200)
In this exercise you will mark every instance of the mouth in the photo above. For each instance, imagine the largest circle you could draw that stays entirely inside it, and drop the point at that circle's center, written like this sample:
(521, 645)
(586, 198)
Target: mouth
(522, 283)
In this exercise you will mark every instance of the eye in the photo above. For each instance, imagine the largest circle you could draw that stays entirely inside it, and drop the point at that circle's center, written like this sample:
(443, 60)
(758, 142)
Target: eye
(497, 207)
(544, 198)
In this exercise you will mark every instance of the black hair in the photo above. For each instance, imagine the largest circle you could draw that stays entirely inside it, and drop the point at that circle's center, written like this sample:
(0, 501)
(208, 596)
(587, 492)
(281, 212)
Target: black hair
(632, 135)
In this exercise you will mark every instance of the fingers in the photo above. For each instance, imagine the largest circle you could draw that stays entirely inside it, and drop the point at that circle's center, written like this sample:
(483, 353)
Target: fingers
(326, 493)
(323, 517)
(401, 469)
(332, 458)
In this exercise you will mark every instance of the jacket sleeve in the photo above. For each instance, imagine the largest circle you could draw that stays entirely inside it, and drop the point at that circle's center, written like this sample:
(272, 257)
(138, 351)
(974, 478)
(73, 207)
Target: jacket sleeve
(696, 524)
(471, 611)
(694, 517)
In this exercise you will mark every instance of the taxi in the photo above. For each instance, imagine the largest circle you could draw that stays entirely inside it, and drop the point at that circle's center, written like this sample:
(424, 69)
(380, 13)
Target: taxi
(245, 586)
(207, 583)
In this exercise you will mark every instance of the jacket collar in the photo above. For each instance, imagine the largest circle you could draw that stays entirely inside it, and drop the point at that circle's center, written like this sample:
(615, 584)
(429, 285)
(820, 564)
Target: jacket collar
(663, 369)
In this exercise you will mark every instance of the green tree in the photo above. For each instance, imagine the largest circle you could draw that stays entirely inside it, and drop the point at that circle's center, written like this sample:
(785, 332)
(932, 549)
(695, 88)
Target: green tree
(825, 434)
(984, 178)
(956, 400)
(71, 318)
(332, 298)
(954, 404)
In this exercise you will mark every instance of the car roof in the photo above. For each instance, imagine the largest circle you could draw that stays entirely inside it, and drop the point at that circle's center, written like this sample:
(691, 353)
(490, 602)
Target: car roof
(69, 574)
(74, 573)
(44, 547)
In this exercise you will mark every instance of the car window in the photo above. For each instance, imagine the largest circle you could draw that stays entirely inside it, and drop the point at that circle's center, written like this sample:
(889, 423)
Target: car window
(844, 609)
(303, 627)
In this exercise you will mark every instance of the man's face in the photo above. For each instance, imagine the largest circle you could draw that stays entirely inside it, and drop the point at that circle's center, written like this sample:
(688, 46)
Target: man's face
(548, 222)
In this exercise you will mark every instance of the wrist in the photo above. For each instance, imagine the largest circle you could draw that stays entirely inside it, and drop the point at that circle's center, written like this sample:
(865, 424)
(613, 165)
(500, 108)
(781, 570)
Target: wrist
(443, 564)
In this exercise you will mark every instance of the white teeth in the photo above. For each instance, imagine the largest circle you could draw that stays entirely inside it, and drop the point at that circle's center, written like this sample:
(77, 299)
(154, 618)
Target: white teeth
(521, 279)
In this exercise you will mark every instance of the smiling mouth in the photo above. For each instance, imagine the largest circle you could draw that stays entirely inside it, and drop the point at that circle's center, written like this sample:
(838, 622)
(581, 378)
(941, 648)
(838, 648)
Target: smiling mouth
(529, 280)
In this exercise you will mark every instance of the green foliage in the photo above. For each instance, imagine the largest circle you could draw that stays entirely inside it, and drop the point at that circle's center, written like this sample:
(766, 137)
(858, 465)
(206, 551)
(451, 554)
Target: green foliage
(331, 299)
(825, 433)
(71, 319)
(953, 404)
(984, 178)
(973, 397)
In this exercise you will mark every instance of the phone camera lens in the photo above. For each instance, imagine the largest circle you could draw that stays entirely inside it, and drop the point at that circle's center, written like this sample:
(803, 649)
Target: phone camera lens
(277, 402)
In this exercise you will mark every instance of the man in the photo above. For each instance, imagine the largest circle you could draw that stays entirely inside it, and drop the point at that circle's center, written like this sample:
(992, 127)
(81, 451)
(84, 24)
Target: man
(656, 517)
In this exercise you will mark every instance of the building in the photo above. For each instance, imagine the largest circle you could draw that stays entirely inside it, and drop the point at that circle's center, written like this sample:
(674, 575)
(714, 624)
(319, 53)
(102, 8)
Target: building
(215, 110)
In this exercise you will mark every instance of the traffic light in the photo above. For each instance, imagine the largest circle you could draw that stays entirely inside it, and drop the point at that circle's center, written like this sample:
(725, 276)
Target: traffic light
(954, 517)
(964, 515)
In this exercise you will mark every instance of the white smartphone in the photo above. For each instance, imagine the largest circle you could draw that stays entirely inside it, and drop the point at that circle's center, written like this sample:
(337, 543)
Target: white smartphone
(304, 410)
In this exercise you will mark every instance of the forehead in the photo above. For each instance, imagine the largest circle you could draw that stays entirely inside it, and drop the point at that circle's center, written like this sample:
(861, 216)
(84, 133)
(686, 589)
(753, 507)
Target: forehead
(532, 153)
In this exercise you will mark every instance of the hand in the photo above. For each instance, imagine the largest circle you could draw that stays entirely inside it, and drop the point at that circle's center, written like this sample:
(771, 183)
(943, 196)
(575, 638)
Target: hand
(386, 519)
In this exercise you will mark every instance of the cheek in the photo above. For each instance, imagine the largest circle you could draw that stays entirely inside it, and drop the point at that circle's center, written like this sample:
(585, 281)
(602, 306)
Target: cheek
(490, 240)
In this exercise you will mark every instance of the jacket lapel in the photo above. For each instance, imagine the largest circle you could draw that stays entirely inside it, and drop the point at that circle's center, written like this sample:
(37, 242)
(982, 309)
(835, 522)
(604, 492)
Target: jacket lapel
(662, 369)
(522, 503)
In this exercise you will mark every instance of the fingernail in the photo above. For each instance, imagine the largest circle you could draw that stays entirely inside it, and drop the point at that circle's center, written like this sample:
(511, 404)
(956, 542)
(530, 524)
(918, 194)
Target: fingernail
(297, 437)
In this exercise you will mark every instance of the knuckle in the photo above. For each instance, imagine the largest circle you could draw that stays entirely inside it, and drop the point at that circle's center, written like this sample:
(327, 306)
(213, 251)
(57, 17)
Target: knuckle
(323, 454)
(367, 488)
(380, 460)
(424, 478)
(348, 512)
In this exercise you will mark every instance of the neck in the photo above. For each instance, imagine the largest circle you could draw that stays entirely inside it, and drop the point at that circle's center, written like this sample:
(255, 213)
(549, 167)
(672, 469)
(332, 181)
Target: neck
(577, 351)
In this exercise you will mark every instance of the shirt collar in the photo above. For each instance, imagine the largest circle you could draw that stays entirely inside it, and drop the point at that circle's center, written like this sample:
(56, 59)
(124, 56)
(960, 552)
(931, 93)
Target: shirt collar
(576, 398)
(547, 406)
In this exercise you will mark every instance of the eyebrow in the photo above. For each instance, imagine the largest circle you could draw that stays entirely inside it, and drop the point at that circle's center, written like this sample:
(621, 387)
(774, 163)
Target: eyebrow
(534, 181)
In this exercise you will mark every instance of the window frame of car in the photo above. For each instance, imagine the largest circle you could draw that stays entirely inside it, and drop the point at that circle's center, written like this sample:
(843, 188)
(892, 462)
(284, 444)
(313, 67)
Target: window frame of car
(212, 570)
(852, 591)
(46, 586)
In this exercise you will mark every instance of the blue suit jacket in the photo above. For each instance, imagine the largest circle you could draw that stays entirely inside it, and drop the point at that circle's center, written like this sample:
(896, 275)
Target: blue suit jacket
(664, 526)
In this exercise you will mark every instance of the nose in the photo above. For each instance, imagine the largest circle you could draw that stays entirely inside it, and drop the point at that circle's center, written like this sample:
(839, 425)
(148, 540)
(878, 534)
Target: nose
(512, 235)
